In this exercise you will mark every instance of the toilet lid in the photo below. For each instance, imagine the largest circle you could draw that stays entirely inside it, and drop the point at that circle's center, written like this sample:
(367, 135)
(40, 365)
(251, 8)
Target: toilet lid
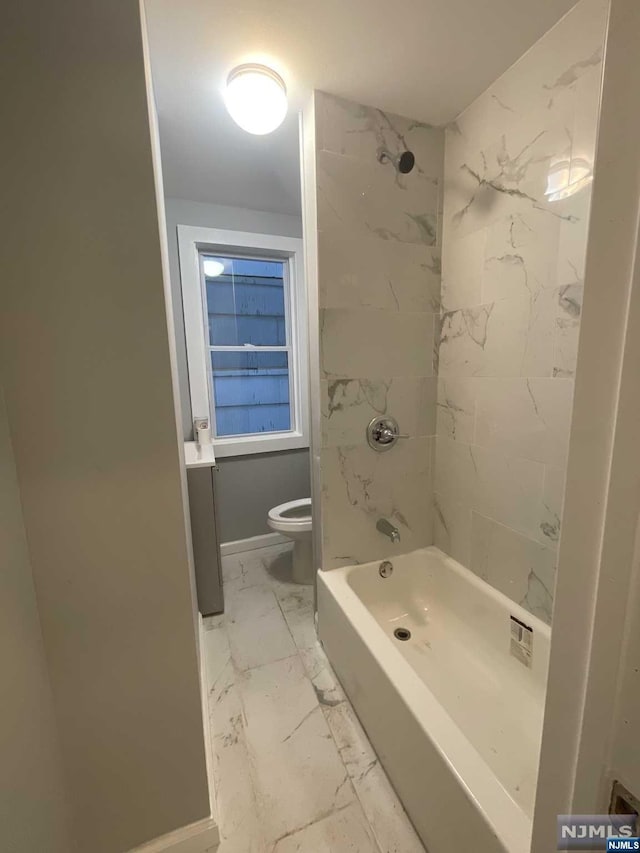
(292, 511)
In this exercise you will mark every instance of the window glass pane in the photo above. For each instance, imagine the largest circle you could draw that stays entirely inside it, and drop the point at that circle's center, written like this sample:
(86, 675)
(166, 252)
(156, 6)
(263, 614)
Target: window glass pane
(245, 301)
(251, 392)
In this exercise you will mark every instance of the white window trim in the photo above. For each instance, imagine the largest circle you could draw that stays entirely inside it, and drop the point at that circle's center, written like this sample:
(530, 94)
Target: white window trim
(191, 241)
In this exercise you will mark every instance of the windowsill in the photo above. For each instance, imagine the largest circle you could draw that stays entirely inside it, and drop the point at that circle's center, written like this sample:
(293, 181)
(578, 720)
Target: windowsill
(205, 456)
(251, 446)
(199, 456)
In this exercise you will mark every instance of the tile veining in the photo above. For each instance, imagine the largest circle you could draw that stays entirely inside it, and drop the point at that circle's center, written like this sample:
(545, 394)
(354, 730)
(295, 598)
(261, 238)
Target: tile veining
(379, 288)
(515, 229)
(294, 770)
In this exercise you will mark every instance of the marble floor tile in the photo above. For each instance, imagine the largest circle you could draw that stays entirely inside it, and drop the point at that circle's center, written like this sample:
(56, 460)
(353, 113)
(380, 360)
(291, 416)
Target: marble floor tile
(240, 823)
(293, 768)
(299, 777)
(258, 633)
(251, 568)
(345, 830)
(296, 603)
(322, 677)
(379, 802)
(216, 648)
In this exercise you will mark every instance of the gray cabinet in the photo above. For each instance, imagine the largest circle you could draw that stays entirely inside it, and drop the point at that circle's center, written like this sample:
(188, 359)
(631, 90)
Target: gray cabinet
(206, 543)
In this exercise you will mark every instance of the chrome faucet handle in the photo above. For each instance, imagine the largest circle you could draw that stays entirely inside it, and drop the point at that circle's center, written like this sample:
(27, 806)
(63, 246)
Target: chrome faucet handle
(386, 435)
(383, 433)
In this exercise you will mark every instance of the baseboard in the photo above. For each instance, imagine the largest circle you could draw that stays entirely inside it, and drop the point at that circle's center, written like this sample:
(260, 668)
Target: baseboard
(199, 837)
(238, 546)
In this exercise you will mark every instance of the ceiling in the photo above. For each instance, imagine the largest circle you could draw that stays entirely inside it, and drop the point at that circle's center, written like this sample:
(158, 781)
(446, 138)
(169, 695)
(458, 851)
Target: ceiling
(425, 59)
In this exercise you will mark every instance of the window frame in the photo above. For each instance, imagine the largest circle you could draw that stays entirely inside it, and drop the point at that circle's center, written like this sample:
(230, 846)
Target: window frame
(192, 241)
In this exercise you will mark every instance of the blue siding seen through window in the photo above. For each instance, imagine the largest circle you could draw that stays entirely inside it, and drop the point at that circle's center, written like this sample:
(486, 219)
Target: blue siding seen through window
(246, 304)
(246, 311)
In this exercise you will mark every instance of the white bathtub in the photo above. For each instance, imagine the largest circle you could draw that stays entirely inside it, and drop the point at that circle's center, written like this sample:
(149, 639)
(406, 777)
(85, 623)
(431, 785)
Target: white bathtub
(455, 718)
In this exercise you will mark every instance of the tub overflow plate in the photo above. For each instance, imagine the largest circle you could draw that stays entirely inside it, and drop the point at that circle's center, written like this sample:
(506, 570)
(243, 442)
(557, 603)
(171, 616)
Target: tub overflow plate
(386, 569)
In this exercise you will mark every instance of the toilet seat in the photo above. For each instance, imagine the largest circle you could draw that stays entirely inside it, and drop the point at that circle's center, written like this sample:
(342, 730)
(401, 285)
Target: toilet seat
(293, 520)
(291, 516)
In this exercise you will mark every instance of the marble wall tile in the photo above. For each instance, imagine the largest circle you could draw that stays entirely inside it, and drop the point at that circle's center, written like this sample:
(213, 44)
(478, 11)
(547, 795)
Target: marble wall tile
(522, 417)
(511, 337)
(367, 198)
(379, 294)
(452, 526)
(349, 404)
(520, 255)
(514, 416)
(570, 301)
(517, 194)
(356, 130)
(507, 489)
(567, 331)
(465, 260)
(361, 486)
(565, 354)
(525, 94)
(551, 512)
(363, 343)
(572, 238)
(520, 567)
(367, 272)
(456, 408)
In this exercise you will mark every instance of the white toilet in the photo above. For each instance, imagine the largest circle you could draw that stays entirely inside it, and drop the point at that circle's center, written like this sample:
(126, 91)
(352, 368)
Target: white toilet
(293, 519)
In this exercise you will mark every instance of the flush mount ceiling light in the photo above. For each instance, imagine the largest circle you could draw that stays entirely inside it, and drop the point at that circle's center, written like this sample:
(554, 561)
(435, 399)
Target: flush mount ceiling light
(256, 98)
(212, 268)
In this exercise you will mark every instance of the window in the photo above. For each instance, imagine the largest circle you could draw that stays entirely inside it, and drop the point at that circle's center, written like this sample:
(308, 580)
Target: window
(244, 311)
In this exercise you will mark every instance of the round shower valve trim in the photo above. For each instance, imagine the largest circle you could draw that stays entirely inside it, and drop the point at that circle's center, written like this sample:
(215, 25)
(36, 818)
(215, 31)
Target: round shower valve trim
(383, 433)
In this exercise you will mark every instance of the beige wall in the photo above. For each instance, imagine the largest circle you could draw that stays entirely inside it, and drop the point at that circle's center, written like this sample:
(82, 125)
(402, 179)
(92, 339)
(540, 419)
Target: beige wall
(87, 378)
(33, 812)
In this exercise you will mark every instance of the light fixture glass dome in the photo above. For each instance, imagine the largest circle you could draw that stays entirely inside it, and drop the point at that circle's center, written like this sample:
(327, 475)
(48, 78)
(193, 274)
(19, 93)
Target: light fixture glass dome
(212, 267)
(256, 98)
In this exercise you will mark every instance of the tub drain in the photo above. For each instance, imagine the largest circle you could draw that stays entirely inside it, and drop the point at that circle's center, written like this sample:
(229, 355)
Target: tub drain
(402, 634)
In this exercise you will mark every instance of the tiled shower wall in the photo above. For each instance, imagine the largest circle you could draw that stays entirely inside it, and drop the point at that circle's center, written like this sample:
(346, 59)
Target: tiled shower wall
(513, 267)
(379, 291)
